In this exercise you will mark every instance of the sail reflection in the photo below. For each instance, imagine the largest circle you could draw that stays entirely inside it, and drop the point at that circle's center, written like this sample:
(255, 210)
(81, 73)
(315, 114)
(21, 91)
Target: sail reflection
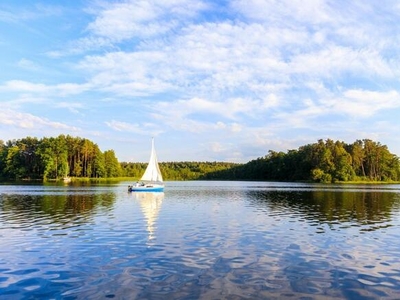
(150, 204)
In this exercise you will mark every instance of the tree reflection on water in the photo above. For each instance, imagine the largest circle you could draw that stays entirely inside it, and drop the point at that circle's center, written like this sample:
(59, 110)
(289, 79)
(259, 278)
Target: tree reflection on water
(59, 208)
(333, 207)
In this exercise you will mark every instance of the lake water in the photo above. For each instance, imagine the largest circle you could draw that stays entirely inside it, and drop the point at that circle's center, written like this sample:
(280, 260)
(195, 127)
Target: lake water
(200, 240)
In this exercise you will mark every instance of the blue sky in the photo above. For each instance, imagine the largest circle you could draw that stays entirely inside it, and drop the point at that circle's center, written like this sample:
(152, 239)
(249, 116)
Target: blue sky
(210, 80)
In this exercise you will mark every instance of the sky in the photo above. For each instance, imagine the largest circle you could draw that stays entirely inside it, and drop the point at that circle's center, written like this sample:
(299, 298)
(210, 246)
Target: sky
(224, 80)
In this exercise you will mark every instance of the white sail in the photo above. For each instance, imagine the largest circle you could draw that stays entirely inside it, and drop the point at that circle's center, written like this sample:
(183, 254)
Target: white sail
(152, 172)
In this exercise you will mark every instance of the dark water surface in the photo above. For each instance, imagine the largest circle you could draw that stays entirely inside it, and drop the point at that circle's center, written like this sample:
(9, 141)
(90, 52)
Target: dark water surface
(200, 240)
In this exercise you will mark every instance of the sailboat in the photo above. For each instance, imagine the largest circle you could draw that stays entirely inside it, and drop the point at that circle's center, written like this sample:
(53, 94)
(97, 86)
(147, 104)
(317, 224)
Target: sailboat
(151, 180)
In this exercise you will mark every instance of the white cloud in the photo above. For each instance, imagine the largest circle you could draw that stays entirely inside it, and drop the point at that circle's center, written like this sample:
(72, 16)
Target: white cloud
(231, 109)
(231, 54)
(28, 64)
(130, 20)
(123, 73)
(213, 58)
(23, 100)
(364, 103)
(335, 61)
(62, 89)
(82, 45)
(217, 147)
(139, 128)
(24, 86)
(235, 127)
(73, 107)
(125, 20)
(342, 108)
(133, 19)
(312, 11)
(22, 120)
(224, 59)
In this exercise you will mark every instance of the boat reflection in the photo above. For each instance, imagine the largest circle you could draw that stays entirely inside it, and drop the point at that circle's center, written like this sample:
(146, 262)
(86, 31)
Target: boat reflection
(150, 204)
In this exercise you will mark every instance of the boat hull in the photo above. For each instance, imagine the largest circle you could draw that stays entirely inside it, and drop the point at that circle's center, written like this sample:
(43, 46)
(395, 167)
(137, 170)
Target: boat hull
(146, 188)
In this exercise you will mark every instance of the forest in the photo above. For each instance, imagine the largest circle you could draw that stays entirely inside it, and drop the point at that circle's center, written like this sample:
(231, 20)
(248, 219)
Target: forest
(55, 157)
(326, 161)
(186, 170)
(65, 156)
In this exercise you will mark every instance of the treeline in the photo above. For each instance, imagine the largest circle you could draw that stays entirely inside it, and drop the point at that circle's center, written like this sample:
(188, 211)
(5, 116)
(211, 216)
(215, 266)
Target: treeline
(324, 161)
(54, 158)
(178, 170)
(66, 156)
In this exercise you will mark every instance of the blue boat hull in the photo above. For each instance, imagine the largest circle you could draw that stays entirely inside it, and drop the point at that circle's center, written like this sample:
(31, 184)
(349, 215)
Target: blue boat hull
(146, 188)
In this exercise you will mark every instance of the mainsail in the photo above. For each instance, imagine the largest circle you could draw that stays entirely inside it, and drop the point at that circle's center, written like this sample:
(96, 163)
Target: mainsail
(152, 172)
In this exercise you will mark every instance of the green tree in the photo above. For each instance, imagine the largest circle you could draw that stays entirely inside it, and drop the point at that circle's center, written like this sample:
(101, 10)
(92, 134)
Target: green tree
(356, 150)
(98, 163)
(14, 167)
(53, 152)
(111, 165)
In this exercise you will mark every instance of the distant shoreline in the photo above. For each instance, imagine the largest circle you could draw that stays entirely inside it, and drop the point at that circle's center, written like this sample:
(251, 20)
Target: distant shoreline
(134, 179)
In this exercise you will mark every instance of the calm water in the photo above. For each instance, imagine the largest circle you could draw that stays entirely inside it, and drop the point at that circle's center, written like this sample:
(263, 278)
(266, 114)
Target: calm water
(200, 240)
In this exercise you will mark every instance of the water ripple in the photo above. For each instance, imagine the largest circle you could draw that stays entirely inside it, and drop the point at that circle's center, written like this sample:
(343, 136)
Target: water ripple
(200, 241)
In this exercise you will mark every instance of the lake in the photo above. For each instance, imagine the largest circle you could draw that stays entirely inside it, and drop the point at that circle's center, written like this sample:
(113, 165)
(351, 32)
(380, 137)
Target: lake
(200, 240)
